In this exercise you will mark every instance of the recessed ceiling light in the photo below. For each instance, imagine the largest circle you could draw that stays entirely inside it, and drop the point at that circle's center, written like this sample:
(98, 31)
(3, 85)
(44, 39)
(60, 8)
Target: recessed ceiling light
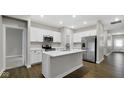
(72, 26)
(85, 22)
(42, 16)
(74, 16)
(61, 22)
(116, 19)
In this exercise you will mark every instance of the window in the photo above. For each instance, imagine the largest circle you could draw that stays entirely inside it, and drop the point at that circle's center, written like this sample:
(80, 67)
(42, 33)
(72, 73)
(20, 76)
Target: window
(118, 42)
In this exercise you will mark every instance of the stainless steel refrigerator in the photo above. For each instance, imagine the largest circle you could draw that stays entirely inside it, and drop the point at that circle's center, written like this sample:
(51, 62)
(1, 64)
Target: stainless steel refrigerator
(90, 45)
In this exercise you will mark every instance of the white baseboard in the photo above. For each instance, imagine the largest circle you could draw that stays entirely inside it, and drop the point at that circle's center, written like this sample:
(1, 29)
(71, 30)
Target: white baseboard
(28, 66)
(108, 53)
(69, 71)
(118, 51)
(1, 72)
(98, 62)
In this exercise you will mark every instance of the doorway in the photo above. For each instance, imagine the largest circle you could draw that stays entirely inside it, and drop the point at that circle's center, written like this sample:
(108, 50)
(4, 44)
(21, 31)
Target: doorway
(14, 47)
(118, 43)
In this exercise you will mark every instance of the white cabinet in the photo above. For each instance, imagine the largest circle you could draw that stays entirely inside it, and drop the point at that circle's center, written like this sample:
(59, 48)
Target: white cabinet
(35, 56)
(33, 35)
(77, 36)
(67, 37)
(56, 37)
(38, 33)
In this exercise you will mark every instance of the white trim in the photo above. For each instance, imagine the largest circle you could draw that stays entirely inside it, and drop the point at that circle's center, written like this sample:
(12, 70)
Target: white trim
(118, 50)
(7, 68)
(69, 71)
(108, 53)
(117, 33)
(1, 72)
(12, 26)
(4, 47)
(28, 66)
(98, 62)
(4, 42)
(14, 56)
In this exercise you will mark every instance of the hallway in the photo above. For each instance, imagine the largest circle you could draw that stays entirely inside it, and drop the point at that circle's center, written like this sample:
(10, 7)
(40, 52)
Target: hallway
(112, 67)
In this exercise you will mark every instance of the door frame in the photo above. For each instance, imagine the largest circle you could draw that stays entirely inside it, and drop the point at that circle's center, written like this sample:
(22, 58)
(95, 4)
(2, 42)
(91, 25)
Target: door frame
(23, 43)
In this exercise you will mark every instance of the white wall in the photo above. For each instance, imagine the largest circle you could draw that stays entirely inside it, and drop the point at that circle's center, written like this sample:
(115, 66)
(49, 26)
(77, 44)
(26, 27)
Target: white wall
(100, 42)
(107, 43)
(85, 28)
(117, 31)
(1, 46)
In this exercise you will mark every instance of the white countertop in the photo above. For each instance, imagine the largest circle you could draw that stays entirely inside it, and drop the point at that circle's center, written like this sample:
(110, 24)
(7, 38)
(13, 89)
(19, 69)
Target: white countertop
(35, 49)
(60, 53)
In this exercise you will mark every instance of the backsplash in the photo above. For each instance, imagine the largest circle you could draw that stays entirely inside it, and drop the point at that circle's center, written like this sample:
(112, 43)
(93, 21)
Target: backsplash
(39, 45)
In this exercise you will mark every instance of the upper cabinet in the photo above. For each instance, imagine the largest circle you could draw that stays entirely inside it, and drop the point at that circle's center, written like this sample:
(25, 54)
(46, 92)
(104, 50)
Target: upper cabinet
(78, 35)
(56, 36)
(38, 33)
(35, 35)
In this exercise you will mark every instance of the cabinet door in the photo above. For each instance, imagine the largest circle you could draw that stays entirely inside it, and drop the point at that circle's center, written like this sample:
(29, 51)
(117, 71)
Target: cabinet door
(32, 57)
(36, 35)
(39, 36)
(36, 56)
(77, 37)
(33, 35)
(56, 37)
(51, 33)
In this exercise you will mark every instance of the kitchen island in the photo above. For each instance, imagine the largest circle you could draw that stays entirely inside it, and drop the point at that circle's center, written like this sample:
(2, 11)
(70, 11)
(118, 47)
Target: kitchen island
(57, 64)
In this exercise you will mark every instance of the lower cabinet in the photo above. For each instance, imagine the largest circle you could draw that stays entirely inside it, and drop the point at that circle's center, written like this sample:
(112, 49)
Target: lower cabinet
(35, 56)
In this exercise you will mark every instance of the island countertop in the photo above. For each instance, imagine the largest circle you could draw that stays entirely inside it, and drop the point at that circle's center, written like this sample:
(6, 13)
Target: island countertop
(59, 63)
(62, 52)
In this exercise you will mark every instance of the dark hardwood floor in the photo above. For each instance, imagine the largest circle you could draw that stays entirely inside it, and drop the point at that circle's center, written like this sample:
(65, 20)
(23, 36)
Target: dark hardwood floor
(111, 67)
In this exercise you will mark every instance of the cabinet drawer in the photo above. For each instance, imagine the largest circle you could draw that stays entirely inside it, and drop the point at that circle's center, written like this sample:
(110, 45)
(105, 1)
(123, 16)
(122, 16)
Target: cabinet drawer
(36, 56)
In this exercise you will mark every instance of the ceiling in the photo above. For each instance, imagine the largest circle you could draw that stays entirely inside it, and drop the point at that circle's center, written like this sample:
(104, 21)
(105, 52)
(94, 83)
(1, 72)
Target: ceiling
(78, 22)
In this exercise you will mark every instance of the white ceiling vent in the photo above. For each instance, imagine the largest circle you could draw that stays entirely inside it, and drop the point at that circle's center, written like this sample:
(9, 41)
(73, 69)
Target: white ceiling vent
(116, 22)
